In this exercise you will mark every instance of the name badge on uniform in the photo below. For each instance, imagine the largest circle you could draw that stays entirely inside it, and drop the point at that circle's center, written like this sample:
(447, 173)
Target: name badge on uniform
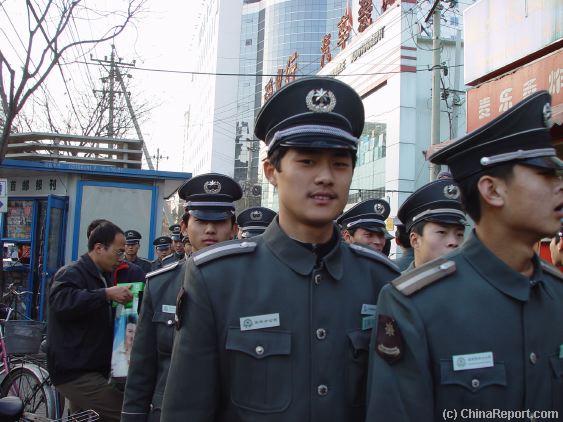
(368, 309)
(473, 361)
(259, 321)
(169, 309)
(368, 322)
(561, 351)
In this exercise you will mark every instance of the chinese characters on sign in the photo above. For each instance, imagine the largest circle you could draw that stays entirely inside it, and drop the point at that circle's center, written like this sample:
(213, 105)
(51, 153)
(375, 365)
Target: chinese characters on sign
(325, 49)
(364, 15)
(492, 98)
(290, 71)
(344, 29)
(45, 185)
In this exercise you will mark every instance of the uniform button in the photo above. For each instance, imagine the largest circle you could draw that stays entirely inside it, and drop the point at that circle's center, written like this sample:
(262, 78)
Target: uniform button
(322, 390)
(169, 322)
(259, 350)
(475, 383)
(533, 358)
(321, 333)
(317, 279)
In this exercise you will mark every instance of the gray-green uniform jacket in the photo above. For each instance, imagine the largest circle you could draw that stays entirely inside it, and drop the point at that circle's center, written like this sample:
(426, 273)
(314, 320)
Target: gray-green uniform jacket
(144, 264)
(268, 335)
(152, 347)
(475, 335)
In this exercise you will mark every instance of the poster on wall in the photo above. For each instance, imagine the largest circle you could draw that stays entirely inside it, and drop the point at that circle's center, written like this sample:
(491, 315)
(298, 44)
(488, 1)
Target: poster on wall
(18, 219)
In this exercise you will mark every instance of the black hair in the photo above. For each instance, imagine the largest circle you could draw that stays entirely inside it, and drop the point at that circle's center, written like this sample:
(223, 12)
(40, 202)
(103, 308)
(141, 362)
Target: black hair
(402, 236)
(470, 196)
(131, 319)
(103, 233)
(418, 228)
(387, 247)
(275, 158)
(94, 224)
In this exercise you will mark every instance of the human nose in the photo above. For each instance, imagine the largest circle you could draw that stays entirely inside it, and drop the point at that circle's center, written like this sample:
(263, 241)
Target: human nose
(325, 175)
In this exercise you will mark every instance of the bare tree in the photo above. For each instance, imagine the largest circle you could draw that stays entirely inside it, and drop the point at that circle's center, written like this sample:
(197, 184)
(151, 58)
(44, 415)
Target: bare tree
(45, 43)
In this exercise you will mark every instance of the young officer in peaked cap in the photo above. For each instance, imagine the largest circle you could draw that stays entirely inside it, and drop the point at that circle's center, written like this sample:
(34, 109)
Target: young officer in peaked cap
(276, 327)
(434, 219)
(132, 243)
(364, 224)
(177, 245)
(210, 218)
(163, 245)
(253, 221)
(463, 332)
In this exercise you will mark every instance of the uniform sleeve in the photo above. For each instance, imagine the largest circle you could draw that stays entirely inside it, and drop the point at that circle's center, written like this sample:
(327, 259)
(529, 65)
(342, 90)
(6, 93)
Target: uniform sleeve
(143, 367)
(69, 299)
(192, 388)
(401, 391)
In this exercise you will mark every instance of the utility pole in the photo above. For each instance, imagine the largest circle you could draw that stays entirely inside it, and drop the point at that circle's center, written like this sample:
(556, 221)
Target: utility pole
(115, 74)
(435, 12)
(456, 100)
(159, 157)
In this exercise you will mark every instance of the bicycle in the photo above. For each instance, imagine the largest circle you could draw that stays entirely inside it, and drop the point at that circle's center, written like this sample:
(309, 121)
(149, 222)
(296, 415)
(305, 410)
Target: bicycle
(12, 410)
(23, 366)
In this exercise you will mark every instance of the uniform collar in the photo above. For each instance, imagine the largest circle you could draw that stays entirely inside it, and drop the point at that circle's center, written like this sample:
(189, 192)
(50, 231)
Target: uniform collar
(298, 257)
(498, 273)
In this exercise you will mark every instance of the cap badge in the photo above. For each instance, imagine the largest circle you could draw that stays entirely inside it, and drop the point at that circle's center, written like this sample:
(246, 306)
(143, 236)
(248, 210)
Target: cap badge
(547, 116)
(379, 209)
(320, 101)
(256, 215)
(451, 191)
(212, 187)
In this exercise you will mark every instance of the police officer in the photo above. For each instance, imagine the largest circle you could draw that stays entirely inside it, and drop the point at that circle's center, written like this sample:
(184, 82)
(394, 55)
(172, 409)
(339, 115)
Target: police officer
(462, 333)
(277, 327)
(163, 250)
(253, 221)
(177, 245)
(364, 224)
(132, 244)
(403, 241)
(210, 200)
(434, 219)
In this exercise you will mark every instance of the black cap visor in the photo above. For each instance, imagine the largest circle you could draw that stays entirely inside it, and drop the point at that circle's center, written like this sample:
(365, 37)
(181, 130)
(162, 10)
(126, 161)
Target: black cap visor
(211, 214)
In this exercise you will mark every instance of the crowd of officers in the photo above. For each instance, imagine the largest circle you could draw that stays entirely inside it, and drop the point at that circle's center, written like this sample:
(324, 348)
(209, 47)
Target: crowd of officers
(304, 317)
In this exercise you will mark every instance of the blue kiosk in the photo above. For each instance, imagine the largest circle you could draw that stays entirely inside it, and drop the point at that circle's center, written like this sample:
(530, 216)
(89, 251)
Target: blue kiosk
(50, 205)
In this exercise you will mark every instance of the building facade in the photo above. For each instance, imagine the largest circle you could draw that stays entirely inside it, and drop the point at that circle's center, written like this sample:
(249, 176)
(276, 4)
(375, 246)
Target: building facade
(213, 88)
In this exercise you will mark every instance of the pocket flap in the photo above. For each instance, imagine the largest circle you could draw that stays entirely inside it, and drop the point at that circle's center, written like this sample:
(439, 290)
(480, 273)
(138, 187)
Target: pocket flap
(473, 379)
(260, 343)
(557, 366)
(163, 317)
(360, 339)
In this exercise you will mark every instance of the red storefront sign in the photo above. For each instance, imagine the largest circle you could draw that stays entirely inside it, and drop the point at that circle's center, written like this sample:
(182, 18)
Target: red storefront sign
(492, 98)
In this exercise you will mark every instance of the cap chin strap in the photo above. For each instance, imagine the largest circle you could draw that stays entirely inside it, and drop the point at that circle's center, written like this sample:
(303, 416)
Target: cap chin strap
(438, 211)
(365, 220)
(517, 155)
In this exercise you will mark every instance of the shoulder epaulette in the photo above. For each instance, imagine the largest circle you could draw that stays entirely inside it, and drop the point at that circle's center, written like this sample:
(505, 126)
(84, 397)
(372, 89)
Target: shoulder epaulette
(554, 271)
(222, 249)
(423, 276)
(163, 269)
(377, 256)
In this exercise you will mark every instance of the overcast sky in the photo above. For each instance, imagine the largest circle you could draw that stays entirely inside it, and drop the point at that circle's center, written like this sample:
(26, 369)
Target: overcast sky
(160, 38)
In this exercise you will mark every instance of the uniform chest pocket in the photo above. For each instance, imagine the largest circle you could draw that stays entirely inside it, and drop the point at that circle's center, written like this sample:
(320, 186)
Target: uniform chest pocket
(261, 372)
(164, 326)
(556, 364)
(357, 366)
(481, 388)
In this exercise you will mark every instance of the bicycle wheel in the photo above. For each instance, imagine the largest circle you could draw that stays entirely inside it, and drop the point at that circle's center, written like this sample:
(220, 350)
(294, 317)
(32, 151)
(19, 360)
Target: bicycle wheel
(30, 384)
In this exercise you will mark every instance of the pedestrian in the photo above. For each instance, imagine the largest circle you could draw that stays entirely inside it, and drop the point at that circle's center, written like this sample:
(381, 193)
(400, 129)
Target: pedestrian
(402, 240)
(177, 245)
(364, 224)
(132, 245)
(556, 250)
(276, 327)
(481, 329)
(80, 324)
(434, 220)
(210, 219)
(253, 221)
(187, 246)
(163, 248)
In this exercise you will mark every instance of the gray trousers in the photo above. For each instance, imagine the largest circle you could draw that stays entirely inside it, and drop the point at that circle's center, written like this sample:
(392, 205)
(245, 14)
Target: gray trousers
(92, 391)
